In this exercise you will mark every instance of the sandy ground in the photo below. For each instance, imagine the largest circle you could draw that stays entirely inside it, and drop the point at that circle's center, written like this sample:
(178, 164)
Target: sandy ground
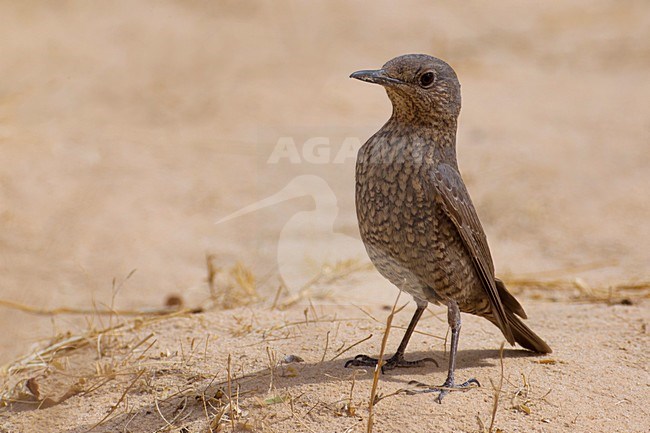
(593, 382)
(128, 129)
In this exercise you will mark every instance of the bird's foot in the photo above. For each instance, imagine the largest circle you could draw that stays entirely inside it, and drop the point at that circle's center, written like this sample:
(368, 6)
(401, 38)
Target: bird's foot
(395, 361)
(442, 390)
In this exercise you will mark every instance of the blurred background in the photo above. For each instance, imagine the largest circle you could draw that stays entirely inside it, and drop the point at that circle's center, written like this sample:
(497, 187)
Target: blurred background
(128, 129)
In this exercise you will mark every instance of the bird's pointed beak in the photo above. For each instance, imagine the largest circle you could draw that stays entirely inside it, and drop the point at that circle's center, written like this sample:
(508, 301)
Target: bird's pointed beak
(377, 76)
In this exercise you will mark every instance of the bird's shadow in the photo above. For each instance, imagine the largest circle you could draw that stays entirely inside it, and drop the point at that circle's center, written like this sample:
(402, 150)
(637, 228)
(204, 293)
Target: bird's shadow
(288, 376)
(465, 359)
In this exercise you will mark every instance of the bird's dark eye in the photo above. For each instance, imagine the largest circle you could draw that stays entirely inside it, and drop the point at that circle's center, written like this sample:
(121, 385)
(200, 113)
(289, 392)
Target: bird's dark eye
(427, 79)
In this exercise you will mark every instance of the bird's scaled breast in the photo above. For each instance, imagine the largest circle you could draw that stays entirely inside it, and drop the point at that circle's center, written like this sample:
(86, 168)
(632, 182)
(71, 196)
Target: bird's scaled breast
(395, 211)
(390, 186)
(396, 223)
(406, 232)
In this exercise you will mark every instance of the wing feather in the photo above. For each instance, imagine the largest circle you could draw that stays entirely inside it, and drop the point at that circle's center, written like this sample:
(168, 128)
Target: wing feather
(457, 204)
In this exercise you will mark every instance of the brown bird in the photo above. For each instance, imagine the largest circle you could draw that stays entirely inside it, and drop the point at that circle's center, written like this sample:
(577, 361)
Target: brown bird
(415, 215)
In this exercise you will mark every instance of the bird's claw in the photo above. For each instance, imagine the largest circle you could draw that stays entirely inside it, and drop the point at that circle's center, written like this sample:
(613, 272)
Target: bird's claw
(393, 362)
(361, 361)
(443, 389)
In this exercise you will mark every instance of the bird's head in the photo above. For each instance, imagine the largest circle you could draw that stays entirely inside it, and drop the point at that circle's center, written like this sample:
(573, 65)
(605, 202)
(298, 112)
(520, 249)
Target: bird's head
(420, 87)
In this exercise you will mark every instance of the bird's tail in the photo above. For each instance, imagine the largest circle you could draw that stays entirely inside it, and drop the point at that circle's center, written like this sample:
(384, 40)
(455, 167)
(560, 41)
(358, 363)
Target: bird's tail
(524, 336)
(522, 333)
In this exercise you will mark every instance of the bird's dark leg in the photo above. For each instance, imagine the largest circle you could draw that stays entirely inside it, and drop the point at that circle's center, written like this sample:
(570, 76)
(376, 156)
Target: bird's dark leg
(453, 317)
(397, 360)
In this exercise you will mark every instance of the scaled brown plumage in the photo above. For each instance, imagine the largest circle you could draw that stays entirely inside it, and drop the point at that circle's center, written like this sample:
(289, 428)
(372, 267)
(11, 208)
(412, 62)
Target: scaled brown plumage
(416, 217)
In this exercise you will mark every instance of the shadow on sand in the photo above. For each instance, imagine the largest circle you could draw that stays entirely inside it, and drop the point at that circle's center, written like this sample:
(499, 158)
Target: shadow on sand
(257, 384)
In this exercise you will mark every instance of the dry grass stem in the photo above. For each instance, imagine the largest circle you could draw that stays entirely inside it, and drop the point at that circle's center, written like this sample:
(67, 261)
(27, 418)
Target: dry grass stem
(327, 275)
(116, 405)
(380, 360)
(497, 391)
(83, 311)
(415, 331)
(230, 407)
(351, 347)
(578, 290)
(327, 344)
(231, 287)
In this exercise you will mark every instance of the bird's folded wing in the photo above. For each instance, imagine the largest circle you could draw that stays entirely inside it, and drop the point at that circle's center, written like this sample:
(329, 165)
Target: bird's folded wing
(454, 198)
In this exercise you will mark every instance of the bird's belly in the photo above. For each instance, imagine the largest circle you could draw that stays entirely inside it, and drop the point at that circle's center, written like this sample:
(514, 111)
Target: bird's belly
(415, 246)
